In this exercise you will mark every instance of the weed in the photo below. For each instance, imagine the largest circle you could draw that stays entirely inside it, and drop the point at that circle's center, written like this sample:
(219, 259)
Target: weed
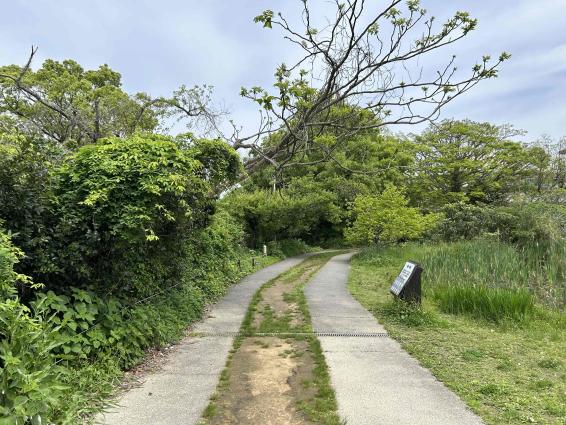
(472, 355)
(412, 315)
(209, 411)
(491, 389)
(549, 363)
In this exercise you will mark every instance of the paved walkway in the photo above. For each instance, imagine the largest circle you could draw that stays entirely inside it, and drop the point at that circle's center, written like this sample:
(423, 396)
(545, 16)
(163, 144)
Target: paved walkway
(179, 392)
(376, 382)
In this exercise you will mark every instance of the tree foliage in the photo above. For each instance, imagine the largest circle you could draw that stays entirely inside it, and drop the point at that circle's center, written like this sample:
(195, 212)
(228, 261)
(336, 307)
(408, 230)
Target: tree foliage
(387, 218)
(548, 179)
(270, 216)
(362, 56)
(72, 106)
(364, 165)
(471, 162)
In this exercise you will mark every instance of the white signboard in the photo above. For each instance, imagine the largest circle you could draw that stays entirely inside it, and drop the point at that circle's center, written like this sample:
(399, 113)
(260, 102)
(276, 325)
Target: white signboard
(403, 277)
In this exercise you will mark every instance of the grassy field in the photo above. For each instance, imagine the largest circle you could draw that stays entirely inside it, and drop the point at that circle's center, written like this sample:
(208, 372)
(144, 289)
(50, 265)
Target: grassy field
(502, 349)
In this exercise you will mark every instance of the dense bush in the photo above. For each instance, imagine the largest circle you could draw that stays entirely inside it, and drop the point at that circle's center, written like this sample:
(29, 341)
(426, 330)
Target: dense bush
(119, 205)
(287, 248)
(464, 221)
(25, 192)
(387, 218)
(270, 216)
(124, 210)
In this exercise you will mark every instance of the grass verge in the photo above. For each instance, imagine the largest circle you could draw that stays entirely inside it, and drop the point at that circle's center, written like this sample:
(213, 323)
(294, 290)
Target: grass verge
(509, 369)
(318, 403)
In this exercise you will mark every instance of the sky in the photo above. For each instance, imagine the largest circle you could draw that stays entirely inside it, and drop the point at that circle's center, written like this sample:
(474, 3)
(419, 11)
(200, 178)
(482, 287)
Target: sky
(158, 45)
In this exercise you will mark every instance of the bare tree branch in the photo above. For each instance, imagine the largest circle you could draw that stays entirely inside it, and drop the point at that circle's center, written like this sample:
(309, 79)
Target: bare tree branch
(361, 60)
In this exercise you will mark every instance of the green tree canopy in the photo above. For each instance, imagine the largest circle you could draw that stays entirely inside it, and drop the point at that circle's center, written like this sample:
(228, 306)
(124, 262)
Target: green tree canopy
(363, 165)
(387, 218)
(468, 161)
(72, 106)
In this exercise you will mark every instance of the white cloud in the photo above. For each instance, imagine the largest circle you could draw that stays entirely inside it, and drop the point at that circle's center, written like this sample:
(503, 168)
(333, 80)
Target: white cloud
(159, 45)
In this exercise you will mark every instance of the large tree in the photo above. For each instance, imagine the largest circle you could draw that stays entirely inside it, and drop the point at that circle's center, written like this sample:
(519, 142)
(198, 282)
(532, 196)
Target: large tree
(360, 56)
(469, 161)
(356, 55)
(63, 104)
(71, 106)
(549, 156)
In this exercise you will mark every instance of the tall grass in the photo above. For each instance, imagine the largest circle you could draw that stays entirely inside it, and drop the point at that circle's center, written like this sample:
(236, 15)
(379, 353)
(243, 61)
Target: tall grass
(539, 269)
(494, 304)
(486, 278)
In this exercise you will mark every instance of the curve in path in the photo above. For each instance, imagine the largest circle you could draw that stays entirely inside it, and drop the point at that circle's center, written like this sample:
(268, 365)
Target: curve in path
(375, 380)
(180, 391)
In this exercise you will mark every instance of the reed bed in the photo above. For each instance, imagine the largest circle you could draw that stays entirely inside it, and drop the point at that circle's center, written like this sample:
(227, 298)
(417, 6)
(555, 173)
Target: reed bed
(486, 278)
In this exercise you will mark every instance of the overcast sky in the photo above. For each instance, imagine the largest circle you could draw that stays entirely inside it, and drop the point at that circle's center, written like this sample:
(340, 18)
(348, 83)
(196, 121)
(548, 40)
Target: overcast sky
(158, 45)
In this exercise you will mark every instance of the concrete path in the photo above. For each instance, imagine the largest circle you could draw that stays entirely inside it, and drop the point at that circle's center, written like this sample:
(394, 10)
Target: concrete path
(376, 382)
(179, 392)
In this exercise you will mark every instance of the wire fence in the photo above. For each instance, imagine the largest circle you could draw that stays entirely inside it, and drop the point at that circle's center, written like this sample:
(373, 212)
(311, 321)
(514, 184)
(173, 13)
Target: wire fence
(141, 301)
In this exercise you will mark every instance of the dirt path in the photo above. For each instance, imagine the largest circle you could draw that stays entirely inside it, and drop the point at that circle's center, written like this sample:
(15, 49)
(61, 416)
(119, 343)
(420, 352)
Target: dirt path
(276, 374)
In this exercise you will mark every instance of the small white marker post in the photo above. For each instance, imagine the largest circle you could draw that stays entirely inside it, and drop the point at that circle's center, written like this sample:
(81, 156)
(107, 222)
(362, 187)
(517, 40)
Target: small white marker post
(265, 250)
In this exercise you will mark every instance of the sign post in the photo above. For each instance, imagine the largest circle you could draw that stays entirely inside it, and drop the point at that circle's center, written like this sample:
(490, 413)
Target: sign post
(407, 286)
